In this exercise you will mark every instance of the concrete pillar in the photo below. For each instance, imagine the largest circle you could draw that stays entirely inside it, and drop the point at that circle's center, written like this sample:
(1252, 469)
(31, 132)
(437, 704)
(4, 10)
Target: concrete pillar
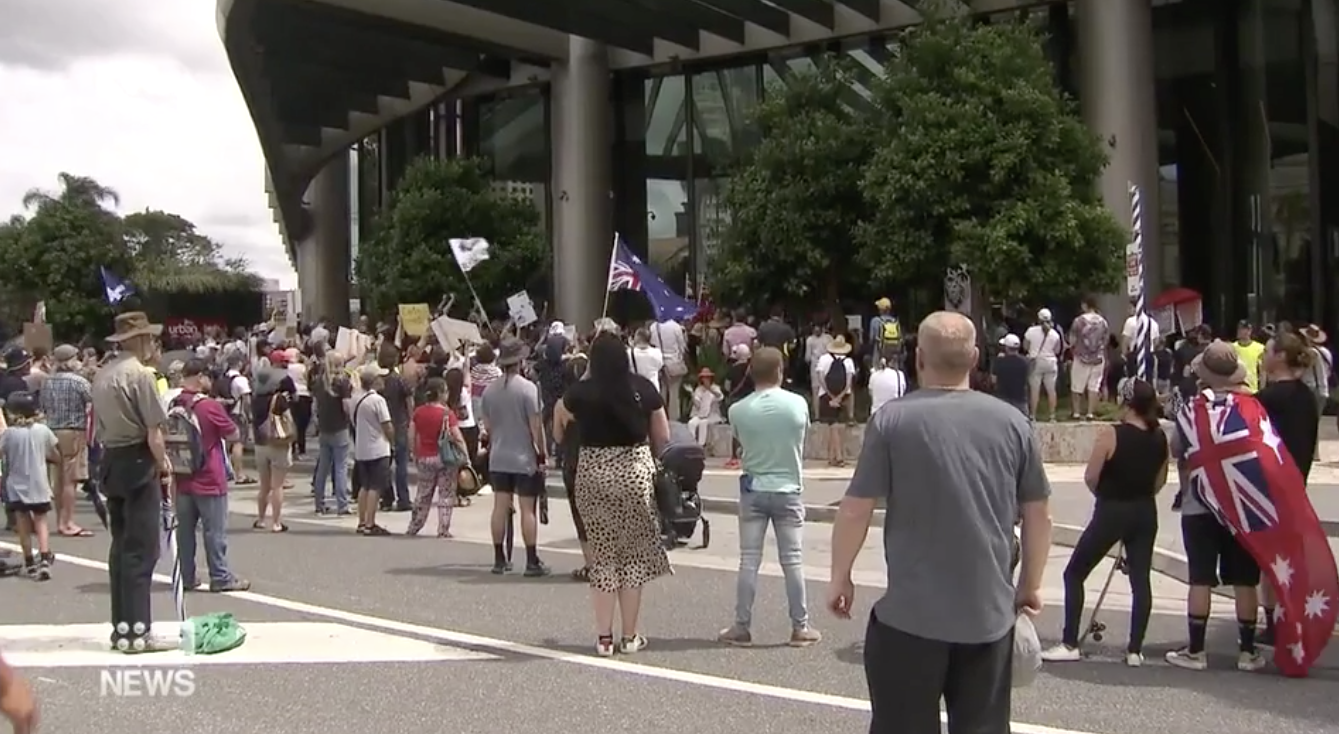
(581, 140)
(324, 255)
(1116, 92)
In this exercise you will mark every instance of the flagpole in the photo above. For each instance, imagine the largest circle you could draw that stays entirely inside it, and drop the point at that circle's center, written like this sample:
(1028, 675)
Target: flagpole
(608, 275)
(1143, 346)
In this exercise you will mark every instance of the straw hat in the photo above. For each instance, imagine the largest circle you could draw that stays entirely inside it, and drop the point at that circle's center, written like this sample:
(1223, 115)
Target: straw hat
(1315, 334)
(839, 345)
(132, 324)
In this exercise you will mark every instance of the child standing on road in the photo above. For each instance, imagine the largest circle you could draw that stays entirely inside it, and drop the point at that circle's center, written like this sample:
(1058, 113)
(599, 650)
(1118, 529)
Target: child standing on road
(26, 447)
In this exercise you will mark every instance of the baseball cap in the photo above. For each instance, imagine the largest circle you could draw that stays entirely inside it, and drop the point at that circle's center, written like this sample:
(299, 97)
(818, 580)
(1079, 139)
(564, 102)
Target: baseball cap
(1044, 315)
(279, 357)
(1010, 341)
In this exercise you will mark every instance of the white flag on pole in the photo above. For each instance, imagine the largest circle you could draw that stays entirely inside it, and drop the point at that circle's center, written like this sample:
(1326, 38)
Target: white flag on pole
(469, 252)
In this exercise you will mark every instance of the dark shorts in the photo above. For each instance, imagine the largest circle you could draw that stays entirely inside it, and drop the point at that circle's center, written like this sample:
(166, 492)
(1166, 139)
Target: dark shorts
(374, 475)
(1213, 555)
(37, 508)
(829, 414)
(521, 485)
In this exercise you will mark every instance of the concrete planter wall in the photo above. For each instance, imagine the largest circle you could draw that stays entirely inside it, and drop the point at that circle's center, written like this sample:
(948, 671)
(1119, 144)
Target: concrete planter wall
(1061, 443)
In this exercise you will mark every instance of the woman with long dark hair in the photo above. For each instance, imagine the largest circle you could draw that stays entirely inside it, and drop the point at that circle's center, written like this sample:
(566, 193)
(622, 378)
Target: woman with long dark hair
(1127, 468)
(622, 419)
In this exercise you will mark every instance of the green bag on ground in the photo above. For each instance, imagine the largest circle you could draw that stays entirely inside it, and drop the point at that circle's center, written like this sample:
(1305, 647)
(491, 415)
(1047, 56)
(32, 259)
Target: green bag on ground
(214, 633)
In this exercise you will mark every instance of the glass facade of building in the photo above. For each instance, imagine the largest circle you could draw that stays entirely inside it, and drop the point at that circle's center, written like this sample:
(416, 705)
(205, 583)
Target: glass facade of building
(1247, 107)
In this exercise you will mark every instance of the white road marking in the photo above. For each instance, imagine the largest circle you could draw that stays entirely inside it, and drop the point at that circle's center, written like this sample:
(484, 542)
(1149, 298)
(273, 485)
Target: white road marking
(466, 639)
(267, 643)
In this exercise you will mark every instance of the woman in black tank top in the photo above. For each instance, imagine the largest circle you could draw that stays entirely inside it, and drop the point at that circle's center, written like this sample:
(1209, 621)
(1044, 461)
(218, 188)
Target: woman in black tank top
(1127, 468)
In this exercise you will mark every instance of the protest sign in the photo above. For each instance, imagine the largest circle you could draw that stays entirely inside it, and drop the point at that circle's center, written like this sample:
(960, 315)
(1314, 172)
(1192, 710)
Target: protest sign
(521, 309)
(414, 318)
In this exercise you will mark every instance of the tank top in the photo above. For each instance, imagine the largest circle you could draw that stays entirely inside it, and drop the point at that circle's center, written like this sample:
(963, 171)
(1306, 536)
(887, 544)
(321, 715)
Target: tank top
(1132, 471)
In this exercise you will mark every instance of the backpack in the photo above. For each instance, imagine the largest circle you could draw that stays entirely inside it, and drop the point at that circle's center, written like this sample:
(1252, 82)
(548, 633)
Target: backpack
(835, 379)
(890, 333)
(277, 428)
(447, 449)
(182, 439)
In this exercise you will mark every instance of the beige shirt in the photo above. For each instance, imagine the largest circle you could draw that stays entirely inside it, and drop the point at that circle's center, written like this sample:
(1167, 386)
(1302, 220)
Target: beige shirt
(126, 404)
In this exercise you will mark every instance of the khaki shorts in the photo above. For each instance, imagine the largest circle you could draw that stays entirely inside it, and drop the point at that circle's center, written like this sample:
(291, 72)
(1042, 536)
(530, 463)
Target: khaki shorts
(273, 457)
(73, 446)
(1086, 377)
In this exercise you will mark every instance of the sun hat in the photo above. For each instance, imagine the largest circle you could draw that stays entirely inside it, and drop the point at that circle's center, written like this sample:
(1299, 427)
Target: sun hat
(1218, 367)
(132, 324)
(510, 352)
(839, 345)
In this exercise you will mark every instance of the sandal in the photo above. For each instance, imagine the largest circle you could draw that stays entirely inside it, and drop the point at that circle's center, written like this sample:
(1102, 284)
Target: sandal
(582, 574)
(362, 530)
(76, 533)
(258, 525)
(245, 480)
(376, 530)
(280, 528)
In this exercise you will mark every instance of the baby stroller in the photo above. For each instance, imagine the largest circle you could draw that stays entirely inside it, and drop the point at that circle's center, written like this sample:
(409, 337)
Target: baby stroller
(678, 473)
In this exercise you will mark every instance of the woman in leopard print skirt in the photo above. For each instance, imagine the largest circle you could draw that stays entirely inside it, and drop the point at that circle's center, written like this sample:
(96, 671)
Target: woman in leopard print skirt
(622, 420)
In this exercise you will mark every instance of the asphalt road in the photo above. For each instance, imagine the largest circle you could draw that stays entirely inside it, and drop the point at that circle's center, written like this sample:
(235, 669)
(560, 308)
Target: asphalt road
(397, 632)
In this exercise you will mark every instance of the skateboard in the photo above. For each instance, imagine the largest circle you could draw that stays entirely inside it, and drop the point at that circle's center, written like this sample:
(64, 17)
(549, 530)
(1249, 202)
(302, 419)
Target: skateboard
(1097, 628)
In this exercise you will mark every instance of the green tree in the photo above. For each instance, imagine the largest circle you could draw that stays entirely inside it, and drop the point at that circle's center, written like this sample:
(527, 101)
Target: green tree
(794, 202)
(54, 255)
(408, 260)
(169, 254)
(981, 161)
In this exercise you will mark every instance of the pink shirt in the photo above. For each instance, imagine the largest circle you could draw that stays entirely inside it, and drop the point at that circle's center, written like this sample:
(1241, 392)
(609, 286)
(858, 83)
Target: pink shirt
(215, 425)
(738, 334)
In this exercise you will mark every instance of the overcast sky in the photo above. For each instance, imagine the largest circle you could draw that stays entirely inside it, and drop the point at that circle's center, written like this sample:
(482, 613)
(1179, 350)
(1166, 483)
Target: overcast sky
(137, 94)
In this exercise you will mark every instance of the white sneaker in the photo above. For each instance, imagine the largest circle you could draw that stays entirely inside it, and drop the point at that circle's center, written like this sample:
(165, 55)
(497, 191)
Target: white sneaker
(1249, 662)
(485, 490)
(1134, 659)
(1188, 660)
(629, 645)
(604, 648)
(1061, 654)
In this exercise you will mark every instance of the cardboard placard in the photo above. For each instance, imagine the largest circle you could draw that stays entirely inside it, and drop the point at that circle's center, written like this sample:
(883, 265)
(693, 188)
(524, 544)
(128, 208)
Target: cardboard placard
(415, 318)
(521, 309)
(352, 344)
(37, 336)
(452, 333)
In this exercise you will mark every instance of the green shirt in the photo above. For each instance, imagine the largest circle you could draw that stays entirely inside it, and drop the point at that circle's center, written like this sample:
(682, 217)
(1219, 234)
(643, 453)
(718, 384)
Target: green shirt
(770, 425)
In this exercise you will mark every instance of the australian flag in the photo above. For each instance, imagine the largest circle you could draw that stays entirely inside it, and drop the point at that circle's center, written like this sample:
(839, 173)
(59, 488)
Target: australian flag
(627, 272)
(115, 289)
(1238, 467)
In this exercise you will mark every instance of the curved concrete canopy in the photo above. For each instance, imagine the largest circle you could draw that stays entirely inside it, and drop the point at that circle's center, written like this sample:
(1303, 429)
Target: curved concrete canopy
(319, 75)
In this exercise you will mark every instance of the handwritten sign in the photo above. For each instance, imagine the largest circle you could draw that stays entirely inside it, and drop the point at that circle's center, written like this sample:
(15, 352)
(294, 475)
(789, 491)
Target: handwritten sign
(414, 318)
(521, 309)
(452, 333)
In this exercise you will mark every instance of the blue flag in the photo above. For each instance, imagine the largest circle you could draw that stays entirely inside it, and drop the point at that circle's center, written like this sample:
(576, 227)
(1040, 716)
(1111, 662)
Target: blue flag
(627, 272)
(115, 289)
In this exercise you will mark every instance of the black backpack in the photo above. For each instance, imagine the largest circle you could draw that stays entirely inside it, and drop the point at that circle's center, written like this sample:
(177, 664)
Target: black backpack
(836, 377)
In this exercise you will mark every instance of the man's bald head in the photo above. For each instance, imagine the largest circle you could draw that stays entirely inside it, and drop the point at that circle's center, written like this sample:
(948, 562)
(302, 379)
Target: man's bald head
(946, 345)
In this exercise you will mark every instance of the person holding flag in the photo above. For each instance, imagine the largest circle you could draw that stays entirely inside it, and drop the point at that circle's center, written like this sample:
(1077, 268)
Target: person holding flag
(1245, 510)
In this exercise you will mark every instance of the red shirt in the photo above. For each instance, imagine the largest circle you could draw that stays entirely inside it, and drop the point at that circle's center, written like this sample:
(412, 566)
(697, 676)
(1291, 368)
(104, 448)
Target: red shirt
(215, 425)
(428, 428)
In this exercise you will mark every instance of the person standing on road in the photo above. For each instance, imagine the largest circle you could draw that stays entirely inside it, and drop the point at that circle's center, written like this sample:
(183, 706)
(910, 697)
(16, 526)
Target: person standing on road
(1213, 553)
(511, 418)
(202, 495)
(956, 469)
(434, 421)
(134, 473)
(65, 401)
(1127, 469)
(770, 425)
(373, 431)
(623, 427)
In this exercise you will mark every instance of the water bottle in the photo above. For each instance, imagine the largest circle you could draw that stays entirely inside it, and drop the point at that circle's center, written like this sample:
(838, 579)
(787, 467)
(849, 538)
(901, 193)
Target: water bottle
(187, 638)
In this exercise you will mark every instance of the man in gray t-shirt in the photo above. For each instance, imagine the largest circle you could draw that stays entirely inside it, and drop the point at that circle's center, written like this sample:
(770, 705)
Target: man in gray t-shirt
(956, 469)
(510, 413)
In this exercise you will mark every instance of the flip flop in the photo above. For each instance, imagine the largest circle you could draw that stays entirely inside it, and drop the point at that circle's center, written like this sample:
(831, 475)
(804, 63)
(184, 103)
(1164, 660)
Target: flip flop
(258, 525)
(77, 533)
(280, 528)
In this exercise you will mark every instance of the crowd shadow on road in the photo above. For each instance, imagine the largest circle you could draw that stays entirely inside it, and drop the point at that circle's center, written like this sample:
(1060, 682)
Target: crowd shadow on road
(475, 574)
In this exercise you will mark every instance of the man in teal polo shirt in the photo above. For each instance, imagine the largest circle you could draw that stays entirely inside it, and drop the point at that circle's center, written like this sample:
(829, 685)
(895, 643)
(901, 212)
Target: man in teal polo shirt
(770, 426)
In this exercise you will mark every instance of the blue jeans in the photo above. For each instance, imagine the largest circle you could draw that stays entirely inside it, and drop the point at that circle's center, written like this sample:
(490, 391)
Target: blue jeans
(210, 512)
(785, 512)
(402, 460)
(332, 464)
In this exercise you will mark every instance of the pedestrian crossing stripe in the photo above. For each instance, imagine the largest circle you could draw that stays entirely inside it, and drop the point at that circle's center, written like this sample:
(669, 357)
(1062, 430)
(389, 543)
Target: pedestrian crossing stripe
(267, 643)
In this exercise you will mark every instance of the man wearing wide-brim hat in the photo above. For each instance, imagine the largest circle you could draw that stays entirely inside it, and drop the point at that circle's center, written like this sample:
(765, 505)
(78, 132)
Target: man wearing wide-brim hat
(134, 473)
(1219, 368)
